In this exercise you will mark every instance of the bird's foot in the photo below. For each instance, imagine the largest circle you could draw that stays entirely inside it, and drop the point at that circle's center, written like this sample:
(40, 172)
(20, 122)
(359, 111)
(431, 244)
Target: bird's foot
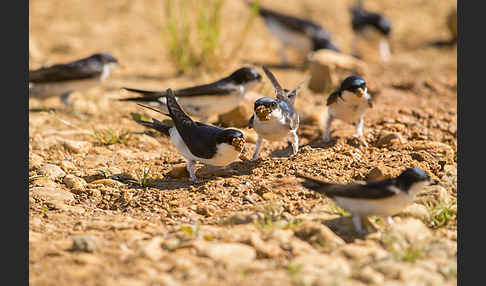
(326, 139)
(195, 180)
(358, 140)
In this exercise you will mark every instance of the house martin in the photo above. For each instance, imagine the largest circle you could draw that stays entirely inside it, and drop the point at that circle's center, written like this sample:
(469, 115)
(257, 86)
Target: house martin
(362, 20)
(196, 141)
(62, 79)
(301, 34)
(382, 198)
(274, 119)
(206, 100)
(348, 103)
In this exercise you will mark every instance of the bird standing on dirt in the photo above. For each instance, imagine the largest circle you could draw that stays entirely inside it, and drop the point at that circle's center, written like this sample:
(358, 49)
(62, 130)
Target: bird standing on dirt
(195, 141)
(275, 119)
(298, 33)
(382, 198)
(62, 79)
(348, 103)
(362, 20)
(206, 100)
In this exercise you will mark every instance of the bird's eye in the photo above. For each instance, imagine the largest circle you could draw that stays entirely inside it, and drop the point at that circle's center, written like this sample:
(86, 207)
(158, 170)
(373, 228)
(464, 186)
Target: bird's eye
(274, 104)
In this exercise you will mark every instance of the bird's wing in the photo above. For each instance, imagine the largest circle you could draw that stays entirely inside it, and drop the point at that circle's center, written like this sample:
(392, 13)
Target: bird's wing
(290, 22)
(291, 95)
(378, 190)
(333, 97)
(81, 69)
(147, 95)
(220, 87)
(251, 121)
(278, 88)
(198, 137)
(155, 124)
(291, 116)
(156, 110)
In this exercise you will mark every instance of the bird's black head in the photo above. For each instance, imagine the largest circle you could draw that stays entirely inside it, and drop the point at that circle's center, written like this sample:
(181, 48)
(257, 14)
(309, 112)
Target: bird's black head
(410, 177)
(245, 75)
(384, 26)
(105, 58)
(232, 137)
(354, 84)
(264, 106)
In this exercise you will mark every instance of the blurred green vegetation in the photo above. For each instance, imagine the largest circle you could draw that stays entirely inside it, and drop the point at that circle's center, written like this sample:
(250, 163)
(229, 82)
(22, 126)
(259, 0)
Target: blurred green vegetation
(192, 32)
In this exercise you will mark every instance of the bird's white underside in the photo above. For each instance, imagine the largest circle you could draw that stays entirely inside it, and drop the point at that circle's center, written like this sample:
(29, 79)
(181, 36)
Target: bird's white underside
(350, 108)
(384, 49)
(44, 90)
(274, 129)
(380, 207)
(205, 106)
(225, 153)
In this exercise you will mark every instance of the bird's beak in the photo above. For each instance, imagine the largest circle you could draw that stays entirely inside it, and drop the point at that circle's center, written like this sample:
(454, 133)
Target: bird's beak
(360, 92)
(238, 143)
(263, 112)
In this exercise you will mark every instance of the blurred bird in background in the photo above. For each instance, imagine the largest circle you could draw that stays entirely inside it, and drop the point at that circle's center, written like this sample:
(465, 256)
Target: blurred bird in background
(363, 20)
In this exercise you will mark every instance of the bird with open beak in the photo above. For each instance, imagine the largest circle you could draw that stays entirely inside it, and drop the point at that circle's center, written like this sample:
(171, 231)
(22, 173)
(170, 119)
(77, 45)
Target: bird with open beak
(275, 119)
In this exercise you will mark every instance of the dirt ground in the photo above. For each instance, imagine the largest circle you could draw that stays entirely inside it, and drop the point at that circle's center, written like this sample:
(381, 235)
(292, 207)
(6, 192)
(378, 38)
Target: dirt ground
(95, 219)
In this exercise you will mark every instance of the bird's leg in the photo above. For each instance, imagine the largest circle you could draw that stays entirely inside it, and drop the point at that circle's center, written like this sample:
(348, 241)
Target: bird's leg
(384, 49)
(357, 223)
(295, 142)
(327, 128)
(359, 129)
(257, 148)
(65, 97)
(191, 168)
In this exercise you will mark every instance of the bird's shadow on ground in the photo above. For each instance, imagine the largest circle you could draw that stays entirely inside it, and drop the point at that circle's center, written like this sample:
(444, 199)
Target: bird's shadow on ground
(319, 143)
(316, 143)
(282, 153)
(343, 227)
(203, 174)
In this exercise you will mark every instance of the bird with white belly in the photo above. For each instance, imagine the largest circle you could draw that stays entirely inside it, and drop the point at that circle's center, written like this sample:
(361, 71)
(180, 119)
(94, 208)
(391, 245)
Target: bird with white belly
(348, 103)
(196, 141)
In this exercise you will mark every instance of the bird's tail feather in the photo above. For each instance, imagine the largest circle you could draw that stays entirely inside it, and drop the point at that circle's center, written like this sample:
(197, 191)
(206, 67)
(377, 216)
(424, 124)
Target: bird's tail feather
(315, 184)
(157, 125)
(147, 95)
